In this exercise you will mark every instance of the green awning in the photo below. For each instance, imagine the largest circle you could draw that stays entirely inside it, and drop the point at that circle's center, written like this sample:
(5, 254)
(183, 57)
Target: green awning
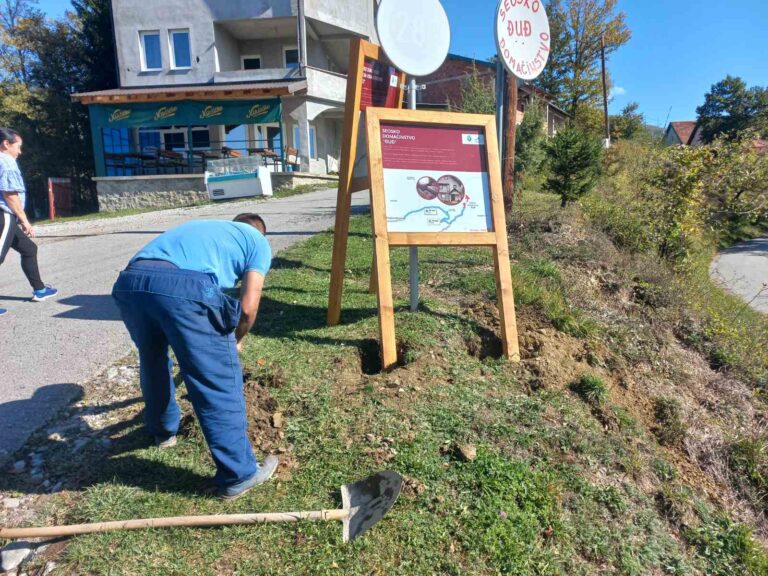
(185, 113)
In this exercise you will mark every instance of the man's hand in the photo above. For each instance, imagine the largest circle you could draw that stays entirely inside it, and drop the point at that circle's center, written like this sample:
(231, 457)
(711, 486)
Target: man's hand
(239, 346)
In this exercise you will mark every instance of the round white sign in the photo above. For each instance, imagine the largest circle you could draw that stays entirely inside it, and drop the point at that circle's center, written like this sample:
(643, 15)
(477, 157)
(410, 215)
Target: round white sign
(522, 37)
(414, 34)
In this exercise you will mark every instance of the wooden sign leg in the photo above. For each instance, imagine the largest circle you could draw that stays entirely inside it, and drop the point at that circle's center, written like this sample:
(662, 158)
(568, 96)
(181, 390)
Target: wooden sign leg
(386, 304)
(340, 238)
(372, 281)
(506, 299)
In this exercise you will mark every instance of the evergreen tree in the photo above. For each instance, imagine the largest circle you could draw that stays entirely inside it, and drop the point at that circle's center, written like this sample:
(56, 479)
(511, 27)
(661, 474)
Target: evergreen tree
(574, 164)
(478, 95)
(529, 142)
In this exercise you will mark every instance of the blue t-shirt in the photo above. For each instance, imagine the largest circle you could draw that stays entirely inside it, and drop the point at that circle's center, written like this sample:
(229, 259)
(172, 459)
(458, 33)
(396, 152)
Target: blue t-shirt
(10, 181)
(219, 247)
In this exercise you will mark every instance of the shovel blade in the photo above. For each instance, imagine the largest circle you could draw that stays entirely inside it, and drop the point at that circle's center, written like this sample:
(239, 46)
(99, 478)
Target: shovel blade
(367, 501)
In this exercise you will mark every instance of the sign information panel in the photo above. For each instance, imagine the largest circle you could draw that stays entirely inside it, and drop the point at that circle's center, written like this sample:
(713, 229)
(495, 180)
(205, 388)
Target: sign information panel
(436, 181)
(522, 37)
(435, 178)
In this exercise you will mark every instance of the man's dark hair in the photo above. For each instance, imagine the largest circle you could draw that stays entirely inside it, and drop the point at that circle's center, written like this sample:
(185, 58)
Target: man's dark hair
(10, 135)
(253, 219)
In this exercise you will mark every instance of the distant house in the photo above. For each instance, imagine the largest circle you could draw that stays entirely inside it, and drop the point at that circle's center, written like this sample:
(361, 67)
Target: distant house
(444, 90)
(680, 133)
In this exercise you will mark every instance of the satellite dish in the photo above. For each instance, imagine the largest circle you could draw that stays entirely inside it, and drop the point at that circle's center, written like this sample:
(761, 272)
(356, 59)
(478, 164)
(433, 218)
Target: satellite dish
(414, 34)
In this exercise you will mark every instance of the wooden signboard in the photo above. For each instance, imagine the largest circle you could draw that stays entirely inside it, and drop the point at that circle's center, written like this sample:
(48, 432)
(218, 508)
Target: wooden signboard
(436, 180)
(371, 81)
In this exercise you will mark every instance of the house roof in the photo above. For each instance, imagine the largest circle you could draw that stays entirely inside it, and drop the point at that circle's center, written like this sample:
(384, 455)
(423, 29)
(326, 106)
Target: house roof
(761, 146)
(241, 91)
(683, 129)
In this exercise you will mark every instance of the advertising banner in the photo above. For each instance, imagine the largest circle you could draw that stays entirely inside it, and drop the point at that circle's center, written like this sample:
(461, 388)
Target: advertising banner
(186, 113)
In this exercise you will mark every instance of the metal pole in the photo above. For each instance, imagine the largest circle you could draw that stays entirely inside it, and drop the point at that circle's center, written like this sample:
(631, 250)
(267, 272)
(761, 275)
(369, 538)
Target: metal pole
(413, 251)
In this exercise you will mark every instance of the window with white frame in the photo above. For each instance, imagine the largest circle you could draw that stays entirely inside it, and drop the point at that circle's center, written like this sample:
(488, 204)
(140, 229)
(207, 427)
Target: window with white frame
(312, 141)
(250, 62)
(181, 53)
(151, 56)
(291, 56)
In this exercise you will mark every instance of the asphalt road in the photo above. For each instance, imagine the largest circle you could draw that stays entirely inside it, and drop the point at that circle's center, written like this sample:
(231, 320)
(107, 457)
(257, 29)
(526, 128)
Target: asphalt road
(743, 269)
(49, 349)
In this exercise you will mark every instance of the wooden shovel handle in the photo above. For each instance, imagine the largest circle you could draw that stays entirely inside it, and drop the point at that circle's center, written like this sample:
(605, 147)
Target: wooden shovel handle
(213, 520)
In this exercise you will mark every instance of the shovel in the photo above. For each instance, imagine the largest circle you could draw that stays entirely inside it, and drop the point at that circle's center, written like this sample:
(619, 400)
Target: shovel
(363, 504)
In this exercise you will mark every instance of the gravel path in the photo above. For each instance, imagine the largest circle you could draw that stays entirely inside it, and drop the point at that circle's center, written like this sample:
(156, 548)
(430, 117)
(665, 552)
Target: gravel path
(48, 349)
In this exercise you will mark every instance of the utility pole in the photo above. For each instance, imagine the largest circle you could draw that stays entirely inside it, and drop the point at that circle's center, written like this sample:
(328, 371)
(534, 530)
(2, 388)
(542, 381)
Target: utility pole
(605, 94)
(508, 177)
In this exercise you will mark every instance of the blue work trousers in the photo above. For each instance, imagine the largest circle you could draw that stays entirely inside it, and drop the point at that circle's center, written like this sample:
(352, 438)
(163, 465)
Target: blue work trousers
(162, 305)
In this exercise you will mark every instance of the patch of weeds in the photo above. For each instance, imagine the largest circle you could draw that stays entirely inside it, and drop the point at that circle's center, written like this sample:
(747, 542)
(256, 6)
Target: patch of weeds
(673, 503)
(727, 548)
(720, 358)
(670, 429)
(611, 499)
(627, 423)
(545, 268)
(749, 457)
(664, 470)
(591, 388)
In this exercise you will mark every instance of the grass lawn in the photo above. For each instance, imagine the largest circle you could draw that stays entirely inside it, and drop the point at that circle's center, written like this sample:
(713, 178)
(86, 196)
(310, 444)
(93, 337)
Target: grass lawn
(569, 475)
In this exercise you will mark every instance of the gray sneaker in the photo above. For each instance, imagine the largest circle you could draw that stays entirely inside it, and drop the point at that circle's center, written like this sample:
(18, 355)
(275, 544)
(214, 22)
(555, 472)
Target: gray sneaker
(264, 473)
(165, 442)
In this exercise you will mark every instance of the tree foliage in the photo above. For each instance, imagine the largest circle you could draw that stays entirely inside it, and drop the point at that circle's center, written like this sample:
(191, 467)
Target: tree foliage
(572, 74)
(730, 108)
(529, 142)
(574, 164)
(42, 64)
(629, 124)
(478, 95)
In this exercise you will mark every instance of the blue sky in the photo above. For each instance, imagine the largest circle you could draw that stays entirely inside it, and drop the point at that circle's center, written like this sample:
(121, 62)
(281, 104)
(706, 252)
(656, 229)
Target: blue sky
(679, 48)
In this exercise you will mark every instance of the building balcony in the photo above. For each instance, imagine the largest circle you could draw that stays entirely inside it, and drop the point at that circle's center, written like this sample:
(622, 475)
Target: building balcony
(262, 75)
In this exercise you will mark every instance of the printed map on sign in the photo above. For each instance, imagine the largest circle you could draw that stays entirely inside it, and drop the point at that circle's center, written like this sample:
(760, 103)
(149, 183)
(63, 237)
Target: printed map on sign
(435, 178)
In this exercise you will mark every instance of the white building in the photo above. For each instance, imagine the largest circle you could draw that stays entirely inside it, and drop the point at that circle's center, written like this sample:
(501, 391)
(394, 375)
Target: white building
(202, 79)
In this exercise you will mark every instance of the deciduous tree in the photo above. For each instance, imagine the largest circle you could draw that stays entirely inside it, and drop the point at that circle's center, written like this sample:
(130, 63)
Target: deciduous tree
(572, 74)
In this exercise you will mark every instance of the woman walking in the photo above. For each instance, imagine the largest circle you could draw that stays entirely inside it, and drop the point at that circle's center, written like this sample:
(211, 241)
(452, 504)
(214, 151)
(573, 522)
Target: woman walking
(15, 229)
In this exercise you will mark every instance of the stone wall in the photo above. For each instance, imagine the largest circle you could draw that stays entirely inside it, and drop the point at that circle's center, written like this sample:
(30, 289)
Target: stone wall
(166, 191)
(172, 191)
